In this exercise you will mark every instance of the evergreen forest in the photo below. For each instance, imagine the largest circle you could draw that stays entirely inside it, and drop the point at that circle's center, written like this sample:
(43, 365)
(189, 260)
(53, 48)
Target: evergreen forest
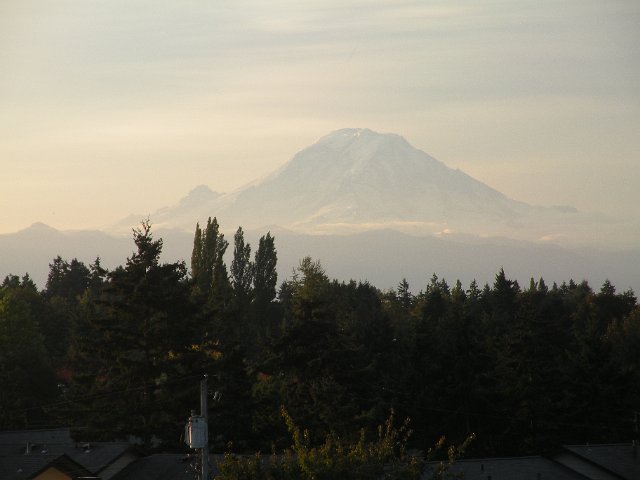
(120, 353)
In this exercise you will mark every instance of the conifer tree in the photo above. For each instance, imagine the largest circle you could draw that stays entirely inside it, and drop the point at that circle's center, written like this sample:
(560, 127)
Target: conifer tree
(134, 333)
(26, 376)
(265, 276)
(404, 295)
(208, 270)
(242, 270)
(196, 255)
(67, 280)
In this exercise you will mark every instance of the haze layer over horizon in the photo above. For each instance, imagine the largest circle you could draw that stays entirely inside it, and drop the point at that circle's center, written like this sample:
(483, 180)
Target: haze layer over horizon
(111, 108)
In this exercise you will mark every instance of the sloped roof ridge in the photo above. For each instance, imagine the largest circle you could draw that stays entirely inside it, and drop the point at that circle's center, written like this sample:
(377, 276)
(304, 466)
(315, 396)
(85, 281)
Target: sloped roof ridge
(76, 467)
(568, 469)
(480, 459)
(591, 461)
(590, 445)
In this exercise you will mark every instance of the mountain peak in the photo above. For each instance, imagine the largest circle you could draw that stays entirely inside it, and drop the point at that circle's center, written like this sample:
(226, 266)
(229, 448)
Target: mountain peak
(358, 132)
(351, 151)
(202, 191)
(40, 227)
(352, 132)
(355, 179)
(345, 137)
(198, 195)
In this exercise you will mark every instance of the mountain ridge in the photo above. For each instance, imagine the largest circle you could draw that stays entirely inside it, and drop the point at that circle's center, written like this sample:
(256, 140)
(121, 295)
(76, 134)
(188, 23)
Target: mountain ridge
(382, 257)
(356, 180)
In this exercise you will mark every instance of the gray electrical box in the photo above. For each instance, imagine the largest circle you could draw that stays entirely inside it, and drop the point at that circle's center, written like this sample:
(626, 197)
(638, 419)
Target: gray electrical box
(196, 432)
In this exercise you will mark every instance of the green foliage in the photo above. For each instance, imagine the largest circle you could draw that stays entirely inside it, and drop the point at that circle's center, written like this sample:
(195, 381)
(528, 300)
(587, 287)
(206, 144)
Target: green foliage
(208, 270)
(67, 280)
(405, 297)
(66, 285)
(26, 377)
(128, 342)
(242, 270)
(330, 360)
(383, 457)
(265, 275)
(527, 369)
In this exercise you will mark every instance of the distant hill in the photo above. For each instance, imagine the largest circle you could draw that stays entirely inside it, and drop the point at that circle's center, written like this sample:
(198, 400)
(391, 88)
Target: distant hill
(32, 250)
(382, 257)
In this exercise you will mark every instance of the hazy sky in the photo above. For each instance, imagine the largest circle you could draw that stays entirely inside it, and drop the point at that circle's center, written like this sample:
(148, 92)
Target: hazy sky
(116, 107)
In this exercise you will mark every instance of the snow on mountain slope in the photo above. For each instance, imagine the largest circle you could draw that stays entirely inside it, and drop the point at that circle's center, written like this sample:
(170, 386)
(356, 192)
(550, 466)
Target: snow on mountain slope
(358, 177)
(356, 180)
(378, 189)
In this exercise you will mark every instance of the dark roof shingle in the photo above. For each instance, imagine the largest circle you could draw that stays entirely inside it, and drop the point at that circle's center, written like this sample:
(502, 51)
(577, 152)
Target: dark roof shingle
(158, 467)
(621, 459)
(520, 468)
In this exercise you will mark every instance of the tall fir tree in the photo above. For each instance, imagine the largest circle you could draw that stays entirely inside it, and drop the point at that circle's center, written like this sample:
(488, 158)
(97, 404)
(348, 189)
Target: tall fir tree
(135, 334)
(242, 270)
(265, 277)
(208, 270)
(27, 379)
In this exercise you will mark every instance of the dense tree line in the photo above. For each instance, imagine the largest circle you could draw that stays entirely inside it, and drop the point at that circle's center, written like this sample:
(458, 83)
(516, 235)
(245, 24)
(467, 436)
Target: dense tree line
(118, 353)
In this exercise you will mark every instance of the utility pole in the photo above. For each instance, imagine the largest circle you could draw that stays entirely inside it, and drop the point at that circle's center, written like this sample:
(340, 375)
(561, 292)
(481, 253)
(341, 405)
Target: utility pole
(196, 431)
(204, 413)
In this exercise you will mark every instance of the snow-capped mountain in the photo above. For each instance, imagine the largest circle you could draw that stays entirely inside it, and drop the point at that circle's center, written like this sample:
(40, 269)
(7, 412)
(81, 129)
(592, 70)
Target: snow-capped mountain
(358, 178)
(391, 199)
(355, 180)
